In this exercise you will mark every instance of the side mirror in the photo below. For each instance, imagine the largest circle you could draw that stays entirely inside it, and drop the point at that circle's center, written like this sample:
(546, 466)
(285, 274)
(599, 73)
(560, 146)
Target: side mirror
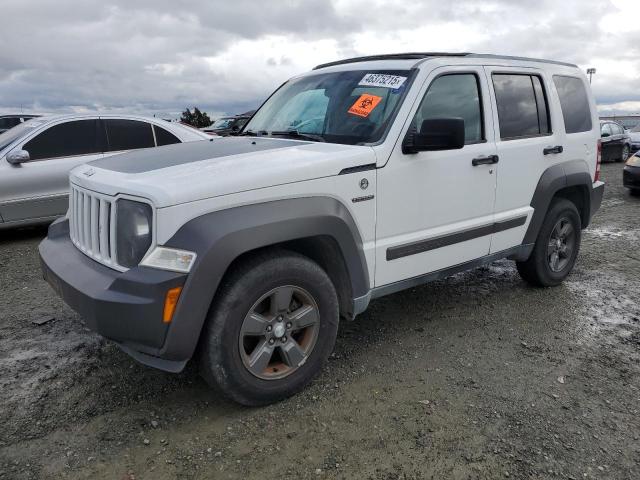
(605, 135)
(435, 134)
(16, 157)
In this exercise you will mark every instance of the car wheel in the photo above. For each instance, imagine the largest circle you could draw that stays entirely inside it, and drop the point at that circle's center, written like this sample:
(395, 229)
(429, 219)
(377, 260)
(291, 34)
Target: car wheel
(625, 153)
(272, 326)
(556, 248)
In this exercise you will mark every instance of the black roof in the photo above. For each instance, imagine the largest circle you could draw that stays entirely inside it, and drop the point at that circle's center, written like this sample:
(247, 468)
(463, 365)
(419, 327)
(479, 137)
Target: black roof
(425, 55)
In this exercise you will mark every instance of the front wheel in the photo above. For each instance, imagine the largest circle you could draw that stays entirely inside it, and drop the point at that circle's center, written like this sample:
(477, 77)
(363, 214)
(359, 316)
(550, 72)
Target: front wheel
(272, 327)
(625, 153)
(556, 247)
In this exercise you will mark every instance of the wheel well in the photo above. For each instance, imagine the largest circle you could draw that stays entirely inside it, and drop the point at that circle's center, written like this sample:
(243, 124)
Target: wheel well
(579, 196)
(325, 251)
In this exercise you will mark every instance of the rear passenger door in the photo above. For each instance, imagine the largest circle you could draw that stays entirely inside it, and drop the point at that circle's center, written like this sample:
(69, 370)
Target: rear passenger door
(527, 144)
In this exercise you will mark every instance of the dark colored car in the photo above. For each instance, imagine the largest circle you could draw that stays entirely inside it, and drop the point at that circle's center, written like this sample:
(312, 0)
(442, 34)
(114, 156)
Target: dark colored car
(616, 143)
(10, 121)
(227, 125)
(631, 174)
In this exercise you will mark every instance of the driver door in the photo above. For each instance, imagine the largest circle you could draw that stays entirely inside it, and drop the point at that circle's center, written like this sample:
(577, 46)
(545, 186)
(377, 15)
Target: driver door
(39, 188)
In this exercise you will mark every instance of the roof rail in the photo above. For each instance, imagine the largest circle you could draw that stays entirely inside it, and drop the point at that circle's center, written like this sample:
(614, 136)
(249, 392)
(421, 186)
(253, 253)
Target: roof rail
(392, 56)
(423, 55)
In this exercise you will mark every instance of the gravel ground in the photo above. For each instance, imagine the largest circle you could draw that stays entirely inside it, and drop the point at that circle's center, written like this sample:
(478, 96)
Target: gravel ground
(475, 376)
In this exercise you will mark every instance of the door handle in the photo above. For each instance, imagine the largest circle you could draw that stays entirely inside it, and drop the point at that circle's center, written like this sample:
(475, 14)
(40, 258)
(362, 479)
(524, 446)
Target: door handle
(488, 160)
(550, 150)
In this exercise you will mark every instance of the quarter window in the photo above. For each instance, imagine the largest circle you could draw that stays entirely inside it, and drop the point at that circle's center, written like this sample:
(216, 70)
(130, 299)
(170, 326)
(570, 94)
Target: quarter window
(574, 103)
(128, 134)
(68, 139)
(522, 106)
(163, 137)
(454, 96)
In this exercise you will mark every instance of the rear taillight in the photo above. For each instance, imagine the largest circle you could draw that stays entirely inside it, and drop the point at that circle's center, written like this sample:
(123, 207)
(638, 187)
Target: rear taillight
(596, 177)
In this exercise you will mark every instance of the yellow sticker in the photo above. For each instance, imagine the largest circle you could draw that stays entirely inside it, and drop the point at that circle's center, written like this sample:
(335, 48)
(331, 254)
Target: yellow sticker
(365, 105)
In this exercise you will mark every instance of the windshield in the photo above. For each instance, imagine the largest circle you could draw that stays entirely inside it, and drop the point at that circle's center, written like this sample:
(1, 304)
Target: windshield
(222, 123)
(17, 132)
(636, 129)
(354, 107)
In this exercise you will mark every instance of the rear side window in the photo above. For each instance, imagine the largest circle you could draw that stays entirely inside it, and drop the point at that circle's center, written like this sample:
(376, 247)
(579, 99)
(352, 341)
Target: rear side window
(522, 106)
(6, 123)
(455, 95)
(79, 137)
(574, 102)
(128, 134)
(163, 137)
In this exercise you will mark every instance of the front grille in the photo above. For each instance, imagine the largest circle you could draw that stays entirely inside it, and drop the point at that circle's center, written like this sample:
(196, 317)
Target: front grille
(92, 224)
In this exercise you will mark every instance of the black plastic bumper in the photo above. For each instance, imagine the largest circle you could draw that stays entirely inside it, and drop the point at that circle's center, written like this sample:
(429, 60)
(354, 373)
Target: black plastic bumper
(126, 307)
(597, 192)
(631, 177)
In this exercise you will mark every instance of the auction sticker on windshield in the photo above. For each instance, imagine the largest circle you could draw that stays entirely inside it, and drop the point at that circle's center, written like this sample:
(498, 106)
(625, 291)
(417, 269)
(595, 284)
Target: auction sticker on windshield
(365, 105)
(382, 80)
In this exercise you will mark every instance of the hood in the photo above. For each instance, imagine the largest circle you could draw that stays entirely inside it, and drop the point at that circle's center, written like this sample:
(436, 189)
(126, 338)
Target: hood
(193, 171)
(634, 136)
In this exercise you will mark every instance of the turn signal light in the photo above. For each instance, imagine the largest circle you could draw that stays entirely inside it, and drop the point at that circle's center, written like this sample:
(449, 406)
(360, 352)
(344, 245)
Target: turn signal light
(170, 302)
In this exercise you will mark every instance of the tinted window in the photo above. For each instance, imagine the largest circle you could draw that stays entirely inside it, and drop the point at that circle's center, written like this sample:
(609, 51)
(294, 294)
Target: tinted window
(163, 137)
(128, 134)
(574, 103)
(454, 96)
(79, 137)
(521, 112)
(6, 123)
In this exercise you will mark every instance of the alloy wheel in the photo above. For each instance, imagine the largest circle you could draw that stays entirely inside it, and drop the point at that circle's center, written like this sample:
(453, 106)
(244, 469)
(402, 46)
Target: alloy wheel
(561, 245)
(279, 332)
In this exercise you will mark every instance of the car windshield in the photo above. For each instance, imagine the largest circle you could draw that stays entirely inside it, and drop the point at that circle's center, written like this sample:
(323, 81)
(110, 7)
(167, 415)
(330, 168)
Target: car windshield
(13, 134)
(222, 123)
(636, 129)
(352, 107)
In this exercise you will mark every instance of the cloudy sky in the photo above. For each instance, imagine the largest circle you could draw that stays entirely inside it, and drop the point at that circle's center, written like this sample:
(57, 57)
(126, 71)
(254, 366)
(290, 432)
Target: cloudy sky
(159, 56)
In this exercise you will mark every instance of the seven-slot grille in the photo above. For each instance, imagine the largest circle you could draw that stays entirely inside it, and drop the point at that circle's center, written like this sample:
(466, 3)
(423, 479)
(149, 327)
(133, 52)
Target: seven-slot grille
(92, 224)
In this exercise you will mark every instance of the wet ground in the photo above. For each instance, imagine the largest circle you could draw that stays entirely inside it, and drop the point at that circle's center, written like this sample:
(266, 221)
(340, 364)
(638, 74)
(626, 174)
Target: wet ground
(476, 376)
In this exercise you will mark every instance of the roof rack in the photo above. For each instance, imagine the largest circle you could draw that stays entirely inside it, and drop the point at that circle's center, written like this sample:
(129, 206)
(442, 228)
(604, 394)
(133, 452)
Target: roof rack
(423, 55)
(392, 56)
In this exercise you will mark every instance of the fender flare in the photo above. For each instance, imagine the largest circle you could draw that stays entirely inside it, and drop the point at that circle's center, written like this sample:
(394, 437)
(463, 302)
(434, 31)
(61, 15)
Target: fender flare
(220, 237)
(574, 173)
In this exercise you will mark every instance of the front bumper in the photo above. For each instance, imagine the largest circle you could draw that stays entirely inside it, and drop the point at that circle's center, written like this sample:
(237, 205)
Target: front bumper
(631, 177)
(126, 307)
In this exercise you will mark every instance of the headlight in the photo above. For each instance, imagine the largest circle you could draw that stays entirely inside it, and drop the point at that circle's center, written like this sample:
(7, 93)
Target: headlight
(133, 231)
(634, 161)
(170, 259)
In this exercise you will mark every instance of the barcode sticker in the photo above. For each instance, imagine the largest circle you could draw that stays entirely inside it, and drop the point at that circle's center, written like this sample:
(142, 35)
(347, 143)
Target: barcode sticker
(382, 80)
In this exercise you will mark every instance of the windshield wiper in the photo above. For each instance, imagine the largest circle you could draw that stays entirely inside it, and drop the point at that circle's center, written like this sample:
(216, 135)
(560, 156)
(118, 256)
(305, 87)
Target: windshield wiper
(296, 134)
(251, 133)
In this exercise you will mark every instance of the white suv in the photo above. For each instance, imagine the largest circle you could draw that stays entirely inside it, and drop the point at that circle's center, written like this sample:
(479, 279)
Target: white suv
(358, 179)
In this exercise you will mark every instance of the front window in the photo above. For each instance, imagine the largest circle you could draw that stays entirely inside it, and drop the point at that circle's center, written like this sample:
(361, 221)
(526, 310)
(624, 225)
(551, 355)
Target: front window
(353, 108)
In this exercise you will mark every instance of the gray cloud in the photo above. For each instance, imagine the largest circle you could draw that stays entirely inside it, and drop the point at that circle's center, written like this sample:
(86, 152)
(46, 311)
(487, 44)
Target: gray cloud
(158, 56)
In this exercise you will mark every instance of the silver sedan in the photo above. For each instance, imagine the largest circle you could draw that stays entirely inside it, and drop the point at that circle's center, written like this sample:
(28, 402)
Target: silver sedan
(36, 157)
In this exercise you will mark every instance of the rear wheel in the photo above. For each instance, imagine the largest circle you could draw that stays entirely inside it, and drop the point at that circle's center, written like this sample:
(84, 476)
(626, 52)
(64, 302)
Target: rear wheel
(272, 327)
(556, 247)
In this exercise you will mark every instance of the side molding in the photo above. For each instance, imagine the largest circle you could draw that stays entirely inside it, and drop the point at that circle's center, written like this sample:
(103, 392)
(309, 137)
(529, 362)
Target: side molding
(221, 237)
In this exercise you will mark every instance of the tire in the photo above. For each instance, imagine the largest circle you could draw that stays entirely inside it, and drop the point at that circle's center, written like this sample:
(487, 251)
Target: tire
(245, 317)
(624, 155)
(543, 269)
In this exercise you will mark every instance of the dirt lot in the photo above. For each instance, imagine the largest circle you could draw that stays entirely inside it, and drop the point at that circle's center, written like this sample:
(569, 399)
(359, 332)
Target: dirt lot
(476, 376)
